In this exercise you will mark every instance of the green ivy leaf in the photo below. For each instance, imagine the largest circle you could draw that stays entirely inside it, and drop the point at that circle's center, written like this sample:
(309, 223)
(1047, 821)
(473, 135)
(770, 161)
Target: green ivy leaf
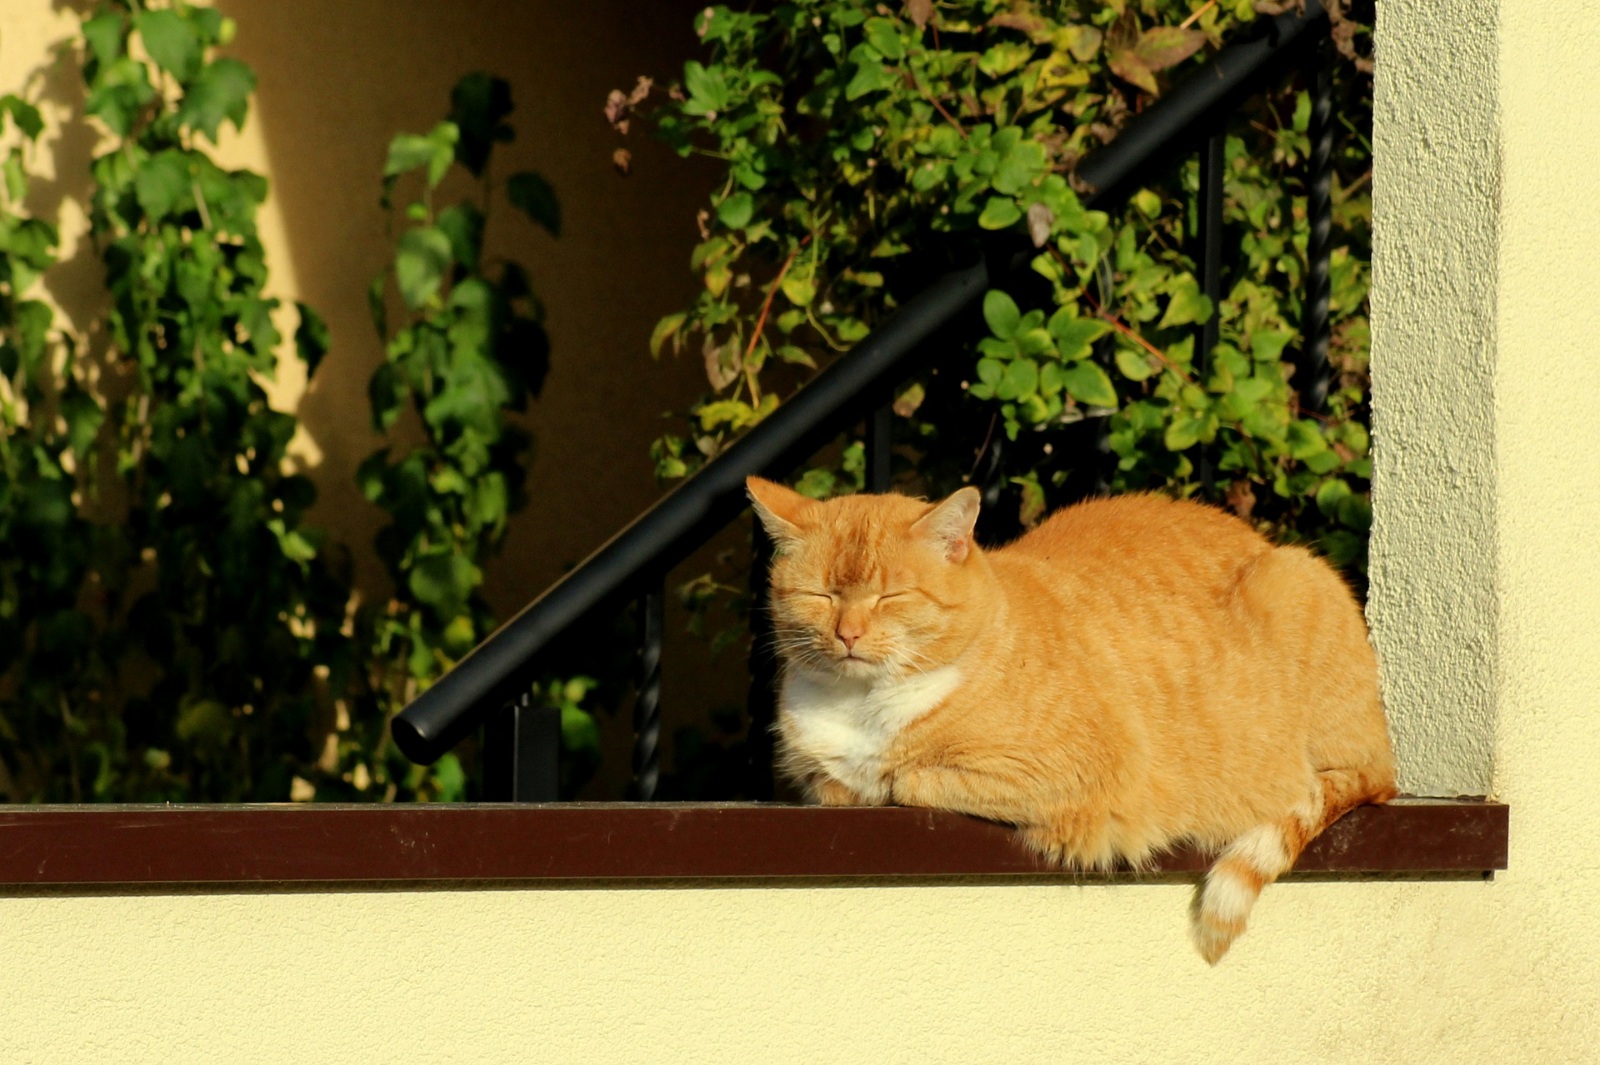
(799, 285)
(1005, 57)
(1329, 495)
(1021, 378)
(579, 732)
(420, 263)
(24, 114)
(460, 635)
(16, 179)
(884, 36)
(1356, 512)
(736, 211)
(1305, 439)
(163, 184)
(708, 89)
(220, 92)
(462, 223)
(531, 194)
(119, 95)
(1000, 213)
(1187, 304)
(296, 546)
(817, 483)
(1266, 345)
(444, 582)
(1020, 167)
(1075, 336)
(665, 330)
(870, 76)
(1134, 365)
(1087, 383)
(435, 150)
(1183, 432)
(450, 779)
(105, 35)
(172, 41)
(1001, 313)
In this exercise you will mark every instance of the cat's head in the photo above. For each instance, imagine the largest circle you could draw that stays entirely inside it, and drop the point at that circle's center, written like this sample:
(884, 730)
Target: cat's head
(873, 587)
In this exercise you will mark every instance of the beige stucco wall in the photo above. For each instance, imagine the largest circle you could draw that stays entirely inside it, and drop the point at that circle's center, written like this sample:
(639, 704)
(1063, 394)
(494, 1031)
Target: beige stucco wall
(1436, 199)
(1487, 607)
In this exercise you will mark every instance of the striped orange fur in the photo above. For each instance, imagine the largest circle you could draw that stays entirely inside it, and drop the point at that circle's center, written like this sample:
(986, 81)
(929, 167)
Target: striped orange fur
(1133, 673)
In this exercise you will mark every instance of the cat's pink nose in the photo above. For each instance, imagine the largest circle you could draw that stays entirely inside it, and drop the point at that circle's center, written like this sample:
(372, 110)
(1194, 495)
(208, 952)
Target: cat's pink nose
(849, 641)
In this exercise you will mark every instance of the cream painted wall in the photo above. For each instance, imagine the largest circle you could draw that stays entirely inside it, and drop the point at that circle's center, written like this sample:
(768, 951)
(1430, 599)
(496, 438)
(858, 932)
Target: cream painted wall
(1331, 972)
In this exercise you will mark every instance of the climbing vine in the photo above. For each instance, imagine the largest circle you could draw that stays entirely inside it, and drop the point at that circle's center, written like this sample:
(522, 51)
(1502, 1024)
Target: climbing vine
(467, 346)
(866, 145)
(172, 627)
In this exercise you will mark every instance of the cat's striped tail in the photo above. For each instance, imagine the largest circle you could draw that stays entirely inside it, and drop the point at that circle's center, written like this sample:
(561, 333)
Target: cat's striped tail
(1262, 854)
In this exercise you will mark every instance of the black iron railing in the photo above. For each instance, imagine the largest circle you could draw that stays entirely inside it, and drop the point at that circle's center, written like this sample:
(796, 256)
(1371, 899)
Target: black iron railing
(521, 741)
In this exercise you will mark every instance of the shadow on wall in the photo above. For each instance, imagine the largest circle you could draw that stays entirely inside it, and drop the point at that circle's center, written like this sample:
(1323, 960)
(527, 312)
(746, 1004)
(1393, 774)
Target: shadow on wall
(337, 81)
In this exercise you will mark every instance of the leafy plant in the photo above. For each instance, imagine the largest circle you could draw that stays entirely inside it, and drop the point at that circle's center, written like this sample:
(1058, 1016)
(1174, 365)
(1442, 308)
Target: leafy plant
(171, 627)
(197, 568)
(470, 347)
(47, 427)
(865, 145)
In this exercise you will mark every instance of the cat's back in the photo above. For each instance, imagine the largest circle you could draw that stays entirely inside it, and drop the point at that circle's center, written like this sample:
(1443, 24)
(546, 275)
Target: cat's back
(1145, 539)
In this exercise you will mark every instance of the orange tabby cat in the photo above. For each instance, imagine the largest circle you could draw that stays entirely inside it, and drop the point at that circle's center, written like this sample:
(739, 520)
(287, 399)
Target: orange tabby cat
(1133, 673)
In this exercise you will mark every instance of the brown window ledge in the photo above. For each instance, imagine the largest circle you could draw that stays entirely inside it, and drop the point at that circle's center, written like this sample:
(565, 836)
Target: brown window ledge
(41, 845)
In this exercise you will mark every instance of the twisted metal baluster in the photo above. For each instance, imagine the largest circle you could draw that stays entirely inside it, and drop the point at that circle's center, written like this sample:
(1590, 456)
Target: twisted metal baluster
(647, 700)
(1313, 374)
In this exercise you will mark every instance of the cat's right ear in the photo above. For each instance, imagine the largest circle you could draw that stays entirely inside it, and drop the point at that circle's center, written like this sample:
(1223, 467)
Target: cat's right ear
(949, 525)
(780, 509)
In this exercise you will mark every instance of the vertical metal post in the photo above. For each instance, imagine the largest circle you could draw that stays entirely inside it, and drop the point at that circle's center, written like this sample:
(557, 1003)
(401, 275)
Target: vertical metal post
(1312, 375)
(762, 699)
(647, 697)
(1212, 166)
(880, 442)
(522, 753)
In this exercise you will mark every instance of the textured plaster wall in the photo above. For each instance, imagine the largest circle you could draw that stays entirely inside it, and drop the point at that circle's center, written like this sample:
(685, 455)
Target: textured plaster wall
(1331, 972)
(1436, 197)
(1462, 972)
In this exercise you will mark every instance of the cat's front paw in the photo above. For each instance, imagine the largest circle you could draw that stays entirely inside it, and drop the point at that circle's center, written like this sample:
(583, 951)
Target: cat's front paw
(906, 788)
(825, 791)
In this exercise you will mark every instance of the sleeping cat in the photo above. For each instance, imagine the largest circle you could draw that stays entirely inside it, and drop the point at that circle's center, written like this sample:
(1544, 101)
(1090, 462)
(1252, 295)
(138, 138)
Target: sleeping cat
(1133, 673)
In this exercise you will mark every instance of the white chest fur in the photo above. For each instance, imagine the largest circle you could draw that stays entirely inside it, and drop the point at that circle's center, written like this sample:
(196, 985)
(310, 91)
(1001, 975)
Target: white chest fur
(845, 726)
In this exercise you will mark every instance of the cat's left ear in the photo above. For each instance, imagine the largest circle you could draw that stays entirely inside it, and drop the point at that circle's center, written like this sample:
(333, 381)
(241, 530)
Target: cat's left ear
(780, 509)
(949, 525)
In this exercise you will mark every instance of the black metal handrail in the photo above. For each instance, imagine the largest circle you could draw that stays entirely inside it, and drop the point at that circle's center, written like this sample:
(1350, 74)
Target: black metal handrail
(633, 563)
